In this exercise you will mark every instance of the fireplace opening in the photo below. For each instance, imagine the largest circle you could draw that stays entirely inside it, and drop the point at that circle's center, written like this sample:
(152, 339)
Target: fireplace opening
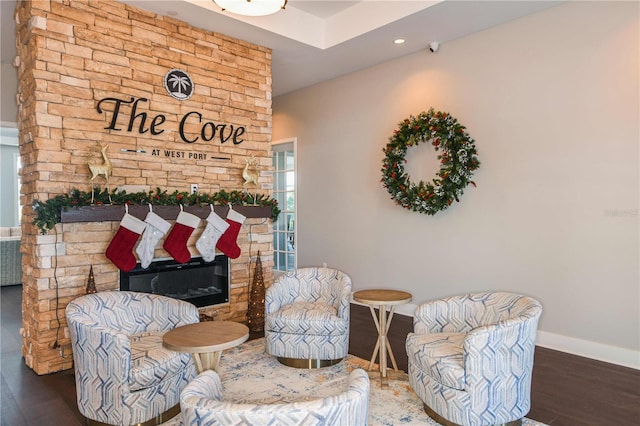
(198, 282)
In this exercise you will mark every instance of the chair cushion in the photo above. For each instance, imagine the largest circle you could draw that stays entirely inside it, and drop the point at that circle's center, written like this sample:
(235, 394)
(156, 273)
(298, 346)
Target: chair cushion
(316, 318)
(440, 356)
(151, 363)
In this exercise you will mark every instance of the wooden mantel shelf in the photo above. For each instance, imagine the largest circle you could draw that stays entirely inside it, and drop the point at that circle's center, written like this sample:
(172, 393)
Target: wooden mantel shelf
(114, 213)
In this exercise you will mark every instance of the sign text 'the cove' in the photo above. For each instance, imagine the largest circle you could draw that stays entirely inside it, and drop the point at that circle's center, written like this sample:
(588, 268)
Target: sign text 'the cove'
(207, 129)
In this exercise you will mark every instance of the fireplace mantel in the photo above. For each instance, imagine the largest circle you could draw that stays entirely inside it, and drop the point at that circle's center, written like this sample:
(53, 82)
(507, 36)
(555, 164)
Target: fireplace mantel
(115, 213)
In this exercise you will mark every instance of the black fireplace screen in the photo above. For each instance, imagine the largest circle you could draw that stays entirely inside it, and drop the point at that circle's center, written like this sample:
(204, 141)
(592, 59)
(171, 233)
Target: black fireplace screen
(199, 282)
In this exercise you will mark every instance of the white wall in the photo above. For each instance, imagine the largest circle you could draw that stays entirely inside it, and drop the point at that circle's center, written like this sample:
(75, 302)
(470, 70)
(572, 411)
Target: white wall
(9, 84)
(552, 102)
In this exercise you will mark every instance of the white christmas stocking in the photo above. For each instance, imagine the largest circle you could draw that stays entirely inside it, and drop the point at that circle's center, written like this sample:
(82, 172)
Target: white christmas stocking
(206, 244)
(156, 228)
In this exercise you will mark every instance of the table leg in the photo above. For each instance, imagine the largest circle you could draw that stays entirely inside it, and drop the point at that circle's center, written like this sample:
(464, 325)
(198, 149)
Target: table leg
(216, 360)
(383, 347)
(196, 360)
(389, 318)
(206, 361)
(377, 347)
(383, 341)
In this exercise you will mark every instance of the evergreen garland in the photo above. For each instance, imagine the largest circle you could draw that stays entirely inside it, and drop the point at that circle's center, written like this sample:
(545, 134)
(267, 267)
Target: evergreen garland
(48, 213)
(457, 158)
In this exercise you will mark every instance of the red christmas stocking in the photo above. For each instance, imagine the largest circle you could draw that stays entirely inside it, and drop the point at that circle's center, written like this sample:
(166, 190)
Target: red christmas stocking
(120, 250)
(176, 242)
(228, 241)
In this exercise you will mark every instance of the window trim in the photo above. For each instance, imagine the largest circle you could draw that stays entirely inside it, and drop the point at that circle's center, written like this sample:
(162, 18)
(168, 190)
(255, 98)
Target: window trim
(294, 143)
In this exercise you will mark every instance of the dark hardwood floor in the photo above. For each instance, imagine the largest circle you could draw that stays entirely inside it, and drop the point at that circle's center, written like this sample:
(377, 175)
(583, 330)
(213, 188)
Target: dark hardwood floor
(28, 399)
(566, 390)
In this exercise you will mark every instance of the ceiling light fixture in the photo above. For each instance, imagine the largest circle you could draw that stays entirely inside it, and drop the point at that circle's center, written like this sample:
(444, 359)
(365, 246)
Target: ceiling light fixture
(251, 7)
(398, 41)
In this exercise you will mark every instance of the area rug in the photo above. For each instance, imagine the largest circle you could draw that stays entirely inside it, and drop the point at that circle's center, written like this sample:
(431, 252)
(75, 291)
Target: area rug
(249, 375)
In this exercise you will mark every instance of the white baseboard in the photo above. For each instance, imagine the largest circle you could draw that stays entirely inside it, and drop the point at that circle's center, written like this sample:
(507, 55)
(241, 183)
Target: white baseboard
(585, 348)
(594, 350)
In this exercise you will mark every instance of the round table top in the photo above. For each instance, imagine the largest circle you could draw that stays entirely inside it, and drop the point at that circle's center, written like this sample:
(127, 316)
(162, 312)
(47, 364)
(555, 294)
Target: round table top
(382, 297)
(206, 336)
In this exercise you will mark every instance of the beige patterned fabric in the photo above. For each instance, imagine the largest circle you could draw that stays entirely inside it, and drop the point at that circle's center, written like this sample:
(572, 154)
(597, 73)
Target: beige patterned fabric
(151, 363)
(471, 356)
(307, 314)
(203, 404)
(440, 355)
(123, 374)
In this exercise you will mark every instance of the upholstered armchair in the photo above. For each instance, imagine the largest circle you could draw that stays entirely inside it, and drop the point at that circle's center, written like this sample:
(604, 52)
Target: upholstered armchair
(202, 404)
(471, 357)
(123, 374)
(307, 317)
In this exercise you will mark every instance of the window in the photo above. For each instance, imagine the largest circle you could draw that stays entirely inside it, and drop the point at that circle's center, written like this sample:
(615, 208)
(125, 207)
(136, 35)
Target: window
(9, 176)
(18, 164)
(284, 191)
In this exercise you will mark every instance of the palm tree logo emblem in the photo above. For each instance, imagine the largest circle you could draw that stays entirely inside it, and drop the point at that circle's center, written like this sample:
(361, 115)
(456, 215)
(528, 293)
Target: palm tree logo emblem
(178, 84)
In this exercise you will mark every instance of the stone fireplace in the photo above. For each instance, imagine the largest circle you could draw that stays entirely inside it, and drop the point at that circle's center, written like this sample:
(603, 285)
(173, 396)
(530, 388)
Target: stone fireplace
(93, 74)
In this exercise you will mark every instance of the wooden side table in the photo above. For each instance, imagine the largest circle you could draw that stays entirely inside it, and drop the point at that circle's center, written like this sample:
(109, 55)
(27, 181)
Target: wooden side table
(206, 340)
(381, 298)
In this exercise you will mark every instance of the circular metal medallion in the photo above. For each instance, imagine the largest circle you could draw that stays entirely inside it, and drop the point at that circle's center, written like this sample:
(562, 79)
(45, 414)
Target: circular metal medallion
(178, 84)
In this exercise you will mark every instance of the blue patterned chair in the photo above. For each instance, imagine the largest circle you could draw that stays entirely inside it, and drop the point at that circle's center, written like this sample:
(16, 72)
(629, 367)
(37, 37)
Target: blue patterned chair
(202, 404)
(123, 374)
(471, 357)
(307, 317)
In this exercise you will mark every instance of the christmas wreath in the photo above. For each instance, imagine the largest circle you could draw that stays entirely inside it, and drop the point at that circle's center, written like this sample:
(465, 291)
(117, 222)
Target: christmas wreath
(457, 158)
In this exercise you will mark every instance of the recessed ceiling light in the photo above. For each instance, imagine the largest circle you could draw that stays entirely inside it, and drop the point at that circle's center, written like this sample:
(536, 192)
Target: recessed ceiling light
(398, 41)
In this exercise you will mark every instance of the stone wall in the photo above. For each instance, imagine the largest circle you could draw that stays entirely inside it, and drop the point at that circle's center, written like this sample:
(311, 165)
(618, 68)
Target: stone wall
(72, 55)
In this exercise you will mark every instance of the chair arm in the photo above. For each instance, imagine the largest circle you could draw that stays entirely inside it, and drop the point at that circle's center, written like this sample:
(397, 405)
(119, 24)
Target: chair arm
(278, 295)
(344, 303)
(352, 405)
(101, 352)
(102, 362)
(509, 344)
(206, 385)
(358, 390)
